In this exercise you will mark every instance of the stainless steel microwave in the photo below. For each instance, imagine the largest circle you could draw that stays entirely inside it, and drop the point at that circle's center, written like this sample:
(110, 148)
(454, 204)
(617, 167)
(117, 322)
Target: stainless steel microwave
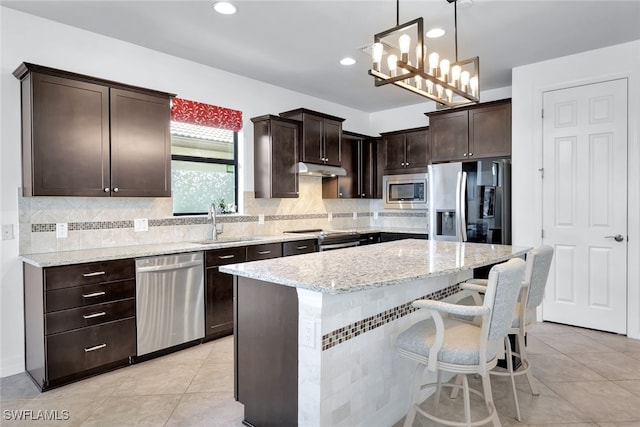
(408, 191)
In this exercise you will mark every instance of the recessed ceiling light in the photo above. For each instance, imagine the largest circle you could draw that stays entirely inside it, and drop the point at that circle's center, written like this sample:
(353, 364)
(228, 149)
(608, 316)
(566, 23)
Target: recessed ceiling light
(434, 33)
(224, 7)
(347, 61)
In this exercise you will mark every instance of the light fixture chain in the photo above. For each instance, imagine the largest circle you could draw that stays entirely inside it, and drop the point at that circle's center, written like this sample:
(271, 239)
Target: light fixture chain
(397, 13)
(455, 26)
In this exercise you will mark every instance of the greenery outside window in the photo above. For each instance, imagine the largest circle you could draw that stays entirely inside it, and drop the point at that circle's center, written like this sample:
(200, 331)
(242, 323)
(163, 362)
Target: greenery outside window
(204, 169)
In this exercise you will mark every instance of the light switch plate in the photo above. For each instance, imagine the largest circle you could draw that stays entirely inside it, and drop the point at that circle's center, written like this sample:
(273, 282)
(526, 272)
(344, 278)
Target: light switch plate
(355, 215)
(308, 337)
(7, 232)
(375, 215)
(329, 217)
(140, 224)
(62, 230)
(260, 218)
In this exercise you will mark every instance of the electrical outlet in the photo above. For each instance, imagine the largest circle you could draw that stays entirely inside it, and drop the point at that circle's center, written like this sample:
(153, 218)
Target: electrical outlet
(375, 215)
(62, 230)
(329, 217)
(355, 215)
(140, 224)
(7, 232)
(260, 218)
(308, 338)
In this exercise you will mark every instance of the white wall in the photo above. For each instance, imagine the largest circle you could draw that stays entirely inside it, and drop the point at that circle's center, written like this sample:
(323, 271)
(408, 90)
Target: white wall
(529, 83)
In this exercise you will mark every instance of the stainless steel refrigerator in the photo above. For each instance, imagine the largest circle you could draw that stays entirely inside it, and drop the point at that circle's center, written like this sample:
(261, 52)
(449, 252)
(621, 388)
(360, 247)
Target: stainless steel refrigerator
(471, 201)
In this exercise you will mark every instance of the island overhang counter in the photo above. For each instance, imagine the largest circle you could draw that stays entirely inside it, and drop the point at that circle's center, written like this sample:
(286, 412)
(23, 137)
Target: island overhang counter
(315, 333)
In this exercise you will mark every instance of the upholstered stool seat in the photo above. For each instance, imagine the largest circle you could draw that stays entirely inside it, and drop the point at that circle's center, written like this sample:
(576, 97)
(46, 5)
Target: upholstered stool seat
(449, 344)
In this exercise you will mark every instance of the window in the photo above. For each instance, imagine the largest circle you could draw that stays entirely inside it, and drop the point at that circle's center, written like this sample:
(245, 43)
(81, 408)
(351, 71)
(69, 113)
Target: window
(204, 168)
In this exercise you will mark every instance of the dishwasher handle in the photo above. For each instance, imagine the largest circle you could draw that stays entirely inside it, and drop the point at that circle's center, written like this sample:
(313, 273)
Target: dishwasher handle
(178, 266)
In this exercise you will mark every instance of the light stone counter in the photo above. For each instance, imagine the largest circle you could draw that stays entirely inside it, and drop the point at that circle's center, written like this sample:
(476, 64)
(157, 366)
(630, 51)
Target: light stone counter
(52, 259)
(337, 315)
(372, 266)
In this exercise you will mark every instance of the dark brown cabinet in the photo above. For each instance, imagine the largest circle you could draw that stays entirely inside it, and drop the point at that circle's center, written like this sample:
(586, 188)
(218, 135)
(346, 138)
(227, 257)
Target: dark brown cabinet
(359, 157)
(275, 153)
(83, 136)
(321, 136)
(79, 320)
(406, 151)
(477, 132)
(219, 291)
(299, 247)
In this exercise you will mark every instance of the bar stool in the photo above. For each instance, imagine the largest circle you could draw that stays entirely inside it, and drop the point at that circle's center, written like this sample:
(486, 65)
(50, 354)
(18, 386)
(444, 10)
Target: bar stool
(524, 317)
(446, 344)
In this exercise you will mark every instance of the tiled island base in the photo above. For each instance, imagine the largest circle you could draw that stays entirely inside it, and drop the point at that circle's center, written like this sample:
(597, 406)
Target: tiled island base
(335, 352)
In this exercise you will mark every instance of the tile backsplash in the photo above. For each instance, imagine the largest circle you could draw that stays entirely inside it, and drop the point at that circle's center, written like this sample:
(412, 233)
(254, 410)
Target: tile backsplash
(96, 222)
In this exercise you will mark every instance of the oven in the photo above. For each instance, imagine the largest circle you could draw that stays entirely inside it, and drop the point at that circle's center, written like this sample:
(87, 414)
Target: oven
(329, 239)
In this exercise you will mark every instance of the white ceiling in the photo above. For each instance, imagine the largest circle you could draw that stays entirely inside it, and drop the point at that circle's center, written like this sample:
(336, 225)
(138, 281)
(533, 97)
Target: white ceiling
(297, 44)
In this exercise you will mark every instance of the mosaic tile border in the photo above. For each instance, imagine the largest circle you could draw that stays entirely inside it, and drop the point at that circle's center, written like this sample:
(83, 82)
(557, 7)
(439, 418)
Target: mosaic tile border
(351, 331)
(197, 220)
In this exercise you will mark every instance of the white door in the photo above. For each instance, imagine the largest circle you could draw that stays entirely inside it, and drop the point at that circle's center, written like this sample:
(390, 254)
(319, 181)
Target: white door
(584, 210)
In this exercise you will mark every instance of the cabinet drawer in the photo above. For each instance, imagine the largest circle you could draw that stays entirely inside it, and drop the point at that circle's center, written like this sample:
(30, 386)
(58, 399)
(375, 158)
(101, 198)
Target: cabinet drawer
(76, 351)
(92, 315)
(299, 247)
(89, 273)
(79, 296)
(225, 256)
(266, 251)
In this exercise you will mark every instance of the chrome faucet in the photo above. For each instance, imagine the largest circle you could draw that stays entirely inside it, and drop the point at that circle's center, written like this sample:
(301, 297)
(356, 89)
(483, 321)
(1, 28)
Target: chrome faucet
(212, 219)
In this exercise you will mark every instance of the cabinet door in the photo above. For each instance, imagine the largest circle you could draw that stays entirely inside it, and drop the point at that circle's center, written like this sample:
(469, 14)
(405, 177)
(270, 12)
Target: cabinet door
(312, 140)
(140, 145)
(332, 131)
(348, 184)
(367, 174)
(490, 131)
(219, 313)
(69, 151)
(449, 136)
(394, 152)
(417, 150)
(284, 173)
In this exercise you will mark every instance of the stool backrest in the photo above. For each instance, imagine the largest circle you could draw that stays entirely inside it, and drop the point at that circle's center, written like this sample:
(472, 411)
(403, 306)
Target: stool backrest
(503, 289)
(538, 266)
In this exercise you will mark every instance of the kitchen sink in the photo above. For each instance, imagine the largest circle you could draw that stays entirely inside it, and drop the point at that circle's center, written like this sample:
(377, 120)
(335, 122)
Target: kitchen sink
(226, 240)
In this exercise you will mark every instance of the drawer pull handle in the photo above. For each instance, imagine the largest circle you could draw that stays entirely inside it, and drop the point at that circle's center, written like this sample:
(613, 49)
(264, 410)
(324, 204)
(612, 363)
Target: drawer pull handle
(94, 348)
(95, 294)
(263, 252)
(301, 247)
(97, 273)
(91, 316)
(226, 256)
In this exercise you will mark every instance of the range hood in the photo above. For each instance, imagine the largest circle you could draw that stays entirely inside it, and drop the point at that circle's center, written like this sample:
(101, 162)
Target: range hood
(313, 169)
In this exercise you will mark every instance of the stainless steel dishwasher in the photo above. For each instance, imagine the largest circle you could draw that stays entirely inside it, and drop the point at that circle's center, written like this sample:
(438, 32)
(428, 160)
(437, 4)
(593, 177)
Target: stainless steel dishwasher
(169, 301)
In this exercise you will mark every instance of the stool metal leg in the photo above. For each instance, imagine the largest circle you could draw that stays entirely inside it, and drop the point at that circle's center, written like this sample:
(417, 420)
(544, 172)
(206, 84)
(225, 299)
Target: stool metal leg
(507, 345)
(488, 399)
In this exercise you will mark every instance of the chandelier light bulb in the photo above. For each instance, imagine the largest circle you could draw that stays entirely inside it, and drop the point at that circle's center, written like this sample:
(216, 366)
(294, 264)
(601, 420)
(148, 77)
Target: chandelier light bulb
(378, 50)
(418, 82)
(449, 93)
(429, 86)
(434, 61)
(439, 91)
(464, 80)
(405, 45)
(444, 70)
(420, 51)
(392, 62)
(455, 74)
(473, 84)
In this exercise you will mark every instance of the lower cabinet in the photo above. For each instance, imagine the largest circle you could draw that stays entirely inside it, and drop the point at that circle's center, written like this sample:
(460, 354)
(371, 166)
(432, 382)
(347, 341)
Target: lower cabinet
(79, 320)
(389, 237)
(299, 247)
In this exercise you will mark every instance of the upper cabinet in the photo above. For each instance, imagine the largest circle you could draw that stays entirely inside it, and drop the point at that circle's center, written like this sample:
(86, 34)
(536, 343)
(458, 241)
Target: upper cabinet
(358, 153)
(83, 136)
(275, 153)
(406, 151)
(469, 133)
(320, 136)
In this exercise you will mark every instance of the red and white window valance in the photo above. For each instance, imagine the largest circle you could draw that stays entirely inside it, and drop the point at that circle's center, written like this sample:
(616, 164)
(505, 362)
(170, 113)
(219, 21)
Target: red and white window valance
(186, 111)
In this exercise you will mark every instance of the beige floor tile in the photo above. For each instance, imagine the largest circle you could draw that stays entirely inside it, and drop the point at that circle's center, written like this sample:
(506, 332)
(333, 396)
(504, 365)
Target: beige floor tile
(207, 409)
(535, 346)
(560, 367)
(631, 385)
(612, 366)
(613, 341)
(18, 386)
(620, 424)
(213, 377)
(573, 343)
(544, 328)
(600, 401)
(156, 378)
(138, 411)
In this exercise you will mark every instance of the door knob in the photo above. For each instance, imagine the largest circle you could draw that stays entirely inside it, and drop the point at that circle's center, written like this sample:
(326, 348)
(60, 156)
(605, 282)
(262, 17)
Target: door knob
(617, 237)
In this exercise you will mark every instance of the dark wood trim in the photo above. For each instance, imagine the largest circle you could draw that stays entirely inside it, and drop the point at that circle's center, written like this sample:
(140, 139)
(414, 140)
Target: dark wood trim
(468, 107)
(402, 131)
(315, 113)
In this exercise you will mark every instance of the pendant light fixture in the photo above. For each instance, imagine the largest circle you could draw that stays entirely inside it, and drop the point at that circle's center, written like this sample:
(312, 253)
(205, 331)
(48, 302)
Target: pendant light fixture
(400, 57)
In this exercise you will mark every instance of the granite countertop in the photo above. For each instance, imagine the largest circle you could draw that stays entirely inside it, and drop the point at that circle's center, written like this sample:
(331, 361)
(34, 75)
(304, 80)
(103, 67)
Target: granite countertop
(371, 266)
(52, 259)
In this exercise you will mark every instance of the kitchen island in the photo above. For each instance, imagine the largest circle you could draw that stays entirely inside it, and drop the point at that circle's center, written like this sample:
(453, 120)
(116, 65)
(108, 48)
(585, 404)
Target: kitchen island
(315, 334)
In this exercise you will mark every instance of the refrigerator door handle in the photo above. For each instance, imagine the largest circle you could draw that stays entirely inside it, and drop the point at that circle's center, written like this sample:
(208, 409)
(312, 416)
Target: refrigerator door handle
(463, 205)
(458, 206)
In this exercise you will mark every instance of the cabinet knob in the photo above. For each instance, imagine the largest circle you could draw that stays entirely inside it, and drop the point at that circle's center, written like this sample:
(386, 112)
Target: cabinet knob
(406, 164)
(402, 163)
(106, 189)
(364, 195)
(115, 190)
(464, 155)
(470, 154)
